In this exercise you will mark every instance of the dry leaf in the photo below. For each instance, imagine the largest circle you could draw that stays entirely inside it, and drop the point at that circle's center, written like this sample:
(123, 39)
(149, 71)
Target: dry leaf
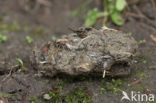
(146, 91)
(153, 37)
(47, 46)
(3, 100)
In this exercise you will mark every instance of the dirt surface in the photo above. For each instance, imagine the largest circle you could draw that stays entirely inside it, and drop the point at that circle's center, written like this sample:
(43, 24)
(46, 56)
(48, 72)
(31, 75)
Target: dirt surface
(22, 87)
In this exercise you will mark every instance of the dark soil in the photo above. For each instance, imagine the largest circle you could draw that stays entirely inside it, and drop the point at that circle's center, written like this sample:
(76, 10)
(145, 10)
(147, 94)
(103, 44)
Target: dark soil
(54, 20)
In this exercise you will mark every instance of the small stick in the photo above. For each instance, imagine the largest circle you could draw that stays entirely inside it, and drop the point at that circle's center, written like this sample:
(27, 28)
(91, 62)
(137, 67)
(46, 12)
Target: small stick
(104, 73)
(10, 72)
(135, 82)
(143, 16)
(154, 8)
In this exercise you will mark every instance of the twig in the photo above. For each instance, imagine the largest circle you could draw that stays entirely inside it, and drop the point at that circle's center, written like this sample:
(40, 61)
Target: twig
(154, 8)
(10, 72)
(145, 25)
(141, 15)
(135, 82)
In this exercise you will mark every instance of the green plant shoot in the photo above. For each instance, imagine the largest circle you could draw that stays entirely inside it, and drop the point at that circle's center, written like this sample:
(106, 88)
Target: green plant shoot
(29, 39)
(21, 64)
(3, 38)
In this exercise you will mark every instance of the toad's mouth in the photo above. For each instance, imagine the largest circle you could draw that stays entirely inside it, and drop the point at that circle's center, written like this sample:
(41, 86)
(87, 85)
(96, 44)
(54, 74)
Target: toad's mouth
(119, 69)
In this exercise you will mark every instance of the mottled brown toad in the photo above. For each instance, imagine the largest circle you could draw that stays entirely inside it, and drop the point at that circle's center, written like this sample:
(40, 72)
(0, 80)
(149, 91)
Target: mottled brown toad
(87, 51)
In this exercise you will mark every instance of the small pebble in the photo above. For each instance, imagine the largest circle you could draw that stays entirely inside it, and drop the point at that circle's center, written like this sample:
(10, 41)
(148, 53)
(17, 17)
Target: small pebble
(46, 96)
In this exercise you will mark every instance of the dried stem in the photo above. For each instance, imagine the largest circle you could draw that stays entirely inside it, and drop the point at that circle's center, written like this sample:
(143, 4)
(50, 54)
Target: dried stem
(141, 15)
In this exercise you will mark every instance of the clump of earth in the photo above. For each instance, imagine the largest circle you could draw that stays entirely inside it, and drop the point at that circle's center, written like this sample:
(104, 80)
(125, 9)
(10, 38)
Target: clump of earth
(87, 51)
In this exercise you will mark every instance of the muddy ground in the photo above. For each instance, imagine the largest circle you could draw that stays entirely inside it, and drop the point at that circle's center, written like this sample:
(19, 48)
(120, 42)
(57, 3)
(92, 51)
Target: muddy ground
(44, 23)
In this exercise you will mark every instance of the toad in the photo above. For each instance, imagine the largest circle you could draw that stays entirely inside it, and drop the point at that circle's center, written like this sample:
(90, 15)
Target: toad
(87, 51)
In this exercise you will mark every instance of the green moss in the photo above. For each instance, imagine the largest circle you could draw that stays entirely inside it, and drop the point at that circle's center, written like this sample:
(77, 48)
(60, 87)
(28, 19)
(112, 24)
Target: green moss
(54, 98)
(109, 87)
(33, 100)
(77, 96)
(117, 82)
(10, 27)
(47, 81)
(143, 58)
(102, 90)
(142, 75)
(38, 32)
(138, 87)
(112, 85)
(142, 41)
(6, 95)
